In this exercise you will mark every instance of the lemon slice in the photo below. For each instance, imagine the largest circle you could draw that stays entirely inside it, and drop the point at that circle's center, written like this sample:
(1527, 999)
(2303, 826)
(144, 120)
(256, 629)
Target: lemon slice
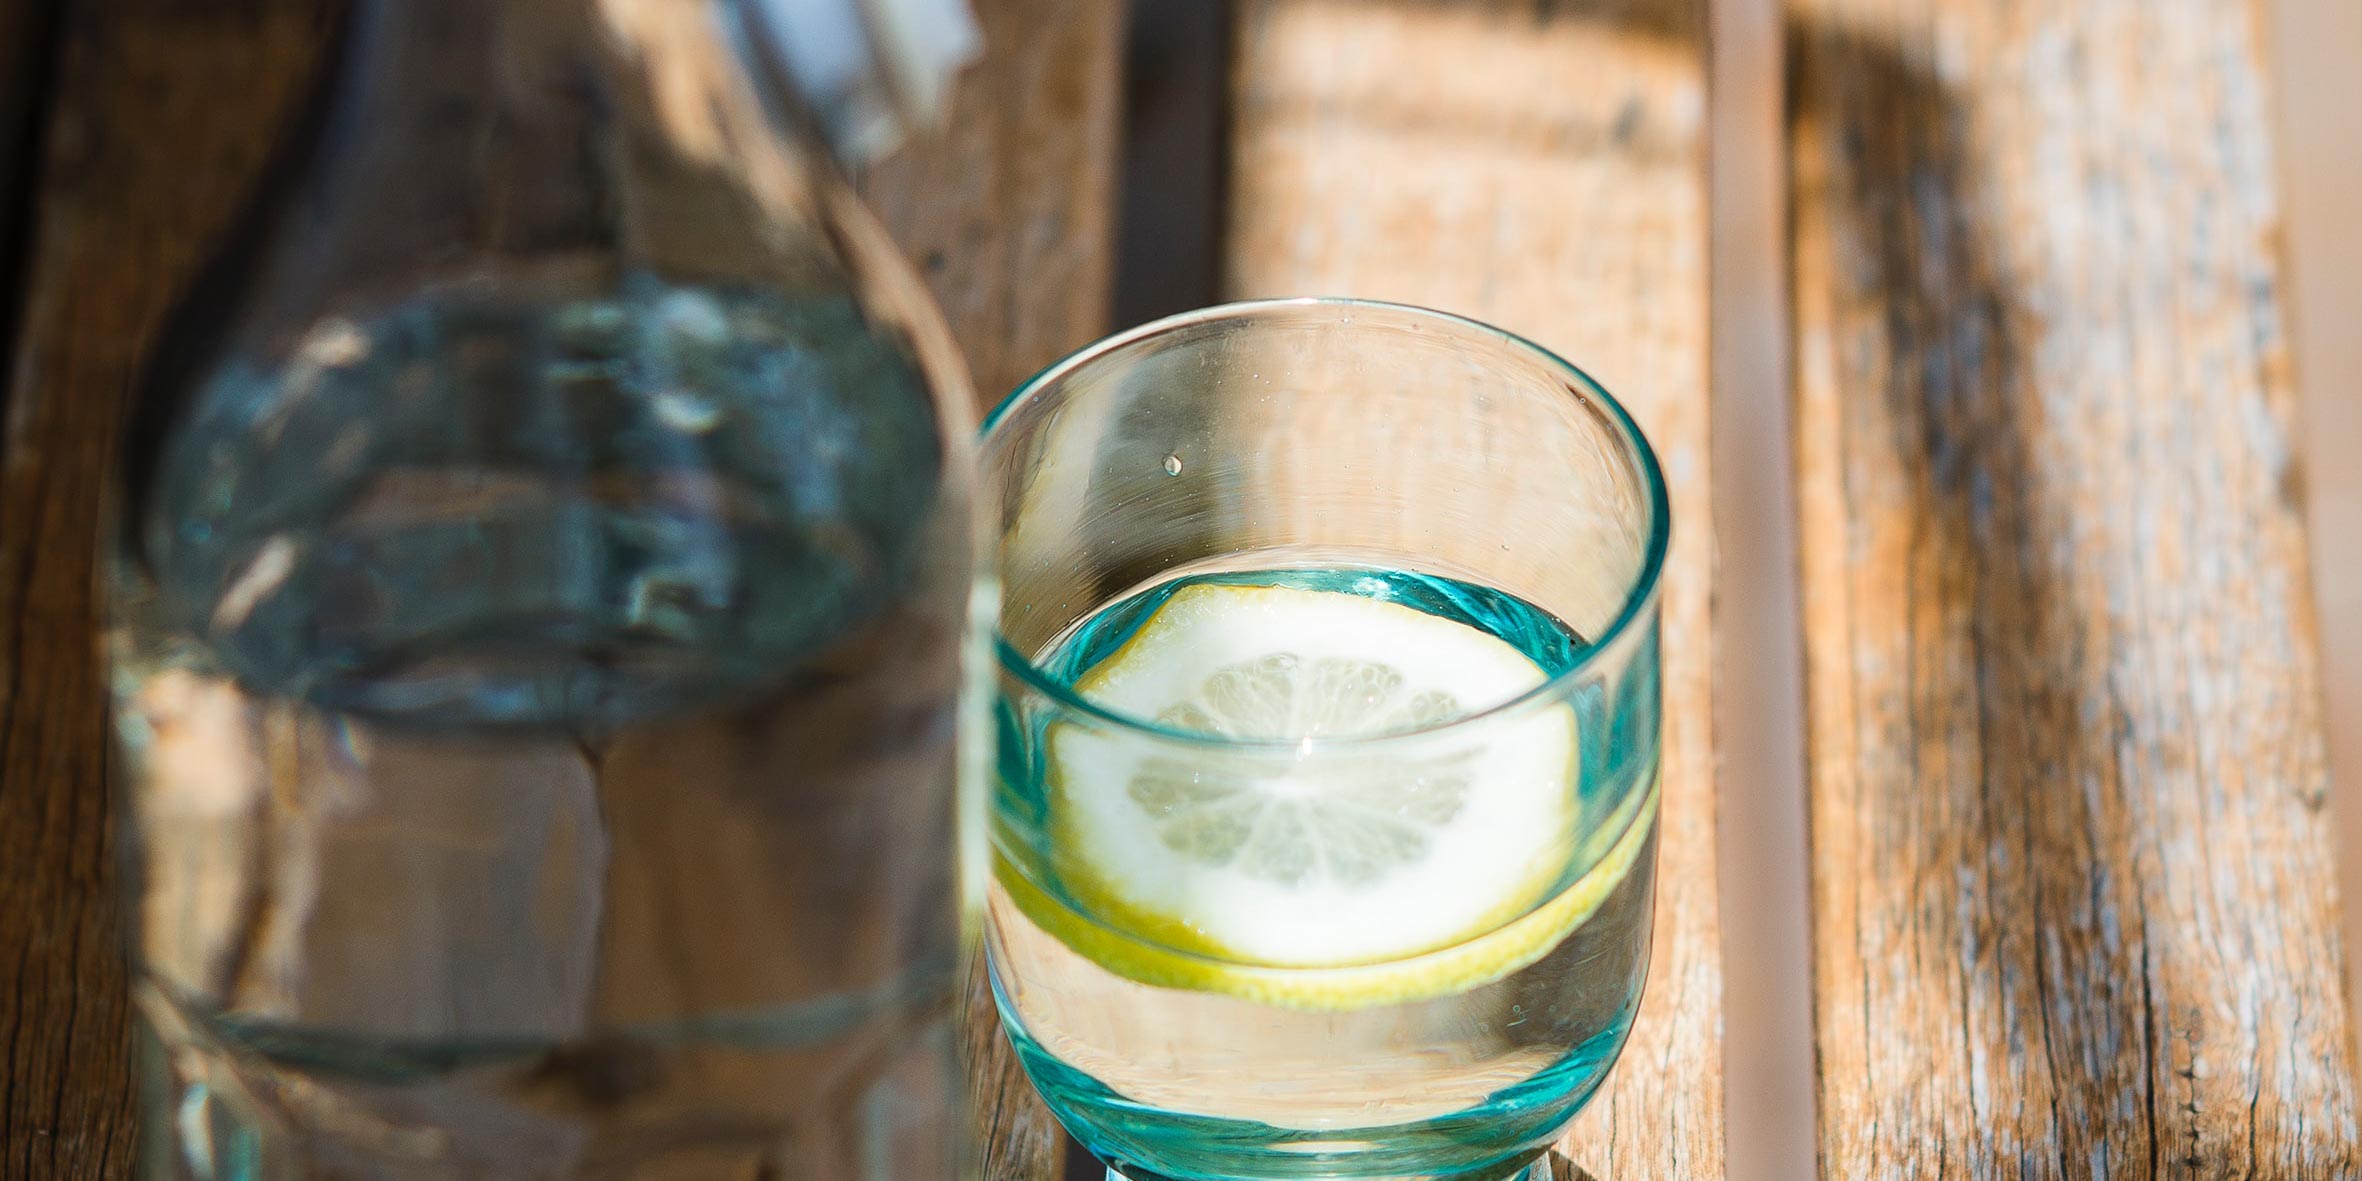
(1315, 875)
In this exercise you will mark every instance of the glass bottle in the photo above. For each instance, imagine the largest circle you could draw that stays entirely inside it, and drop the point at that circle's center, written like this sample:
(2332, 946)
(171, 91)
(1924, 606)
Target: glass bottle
(544, 554)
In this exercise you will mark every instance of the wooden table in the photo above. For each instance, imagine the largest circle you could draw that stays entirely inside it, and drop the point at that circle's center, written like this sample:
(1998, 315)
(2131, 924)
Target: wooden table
(2071, 879)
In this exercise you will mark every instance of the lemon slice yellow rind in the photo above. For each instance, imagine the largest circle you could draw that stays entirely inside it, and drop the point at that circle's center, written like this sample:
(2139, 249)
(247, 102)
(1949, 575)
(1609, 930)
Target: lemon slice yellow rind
(1165, 953)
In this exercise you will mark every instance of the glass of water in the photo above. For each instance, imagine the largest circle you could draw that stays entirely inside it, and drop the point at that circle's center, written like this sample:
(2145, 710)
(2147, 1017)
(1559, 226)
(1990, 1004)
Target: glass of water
(1325, 809)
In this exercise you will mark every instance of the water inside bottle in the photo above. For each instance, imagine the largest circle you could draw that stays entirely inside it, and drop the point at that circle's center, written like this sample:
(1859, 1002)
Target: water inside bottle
(537, 713)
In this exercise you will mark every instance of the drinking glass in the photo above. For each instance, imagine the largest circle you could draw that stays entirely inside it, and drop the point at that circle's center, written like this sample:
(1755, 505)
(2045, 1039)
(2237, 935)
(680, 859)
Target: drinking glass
(1252, 945)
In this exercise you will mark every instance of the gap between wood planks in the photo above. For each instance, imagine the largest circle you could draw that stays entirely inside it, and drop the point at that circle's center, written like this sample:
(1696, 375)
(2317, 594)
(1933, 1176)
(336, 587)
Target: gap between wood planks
(29, 32)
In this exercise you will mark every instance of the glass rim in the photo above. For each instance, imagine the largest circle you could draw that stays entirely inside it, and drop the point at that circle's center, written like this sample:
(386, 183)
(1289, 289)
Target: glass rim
(1639, 598)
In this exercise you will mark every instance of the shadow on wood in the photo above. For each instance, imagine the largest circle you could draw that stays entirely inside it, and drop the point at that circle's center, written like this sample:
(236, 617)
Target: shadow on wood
(2071, 883)
(1562, 1169)
(28, 74)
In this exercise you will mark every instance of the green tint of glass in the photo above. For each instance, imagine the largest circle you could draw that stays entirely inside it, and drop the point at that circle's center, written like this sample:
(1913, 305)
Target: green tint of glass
(1407, 950)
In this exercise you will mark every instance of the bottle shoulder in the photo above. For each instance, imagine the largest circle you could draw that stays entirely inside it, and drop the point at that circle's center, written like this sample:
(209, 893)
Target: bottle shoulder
(493, 505)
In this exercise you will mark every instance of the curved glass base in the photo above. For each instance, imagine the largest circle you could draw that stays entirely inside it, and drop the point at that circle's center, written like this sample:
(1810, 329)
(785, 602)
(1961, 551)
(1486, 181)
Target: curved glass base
(1537, 1171)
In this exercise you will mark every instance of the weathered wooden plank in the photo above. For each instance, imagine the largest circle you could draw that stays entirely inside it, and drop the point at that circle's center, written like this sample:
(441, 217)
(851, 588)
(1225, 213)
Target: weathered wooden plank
(165, 110)
(1009, 209)
(2072, 877)
(1009, 213)
(1540, 166)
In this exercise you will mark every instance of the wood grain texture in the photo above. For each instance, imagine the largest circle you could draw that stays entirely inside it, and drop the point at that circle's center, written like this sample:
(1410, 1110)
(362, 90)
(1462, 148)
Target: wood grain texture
(1539, 166)
(1008, 211)
(165, 110)
(2073, 894)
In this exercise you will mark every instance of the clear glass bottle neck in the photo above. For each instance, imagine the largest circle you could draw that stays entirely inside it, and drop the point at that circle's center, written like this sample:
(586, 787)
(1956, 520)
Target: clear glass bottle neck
(859, 73)
(572, 137)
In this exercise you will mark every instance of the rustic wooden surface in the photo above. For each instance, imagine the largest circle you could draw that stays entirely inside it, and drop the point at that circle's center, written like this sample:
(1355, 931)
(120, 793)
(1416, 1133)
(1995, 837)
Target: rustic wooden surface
(2072, 882)
(1008, 212)
(162, 112)
(1551, 180)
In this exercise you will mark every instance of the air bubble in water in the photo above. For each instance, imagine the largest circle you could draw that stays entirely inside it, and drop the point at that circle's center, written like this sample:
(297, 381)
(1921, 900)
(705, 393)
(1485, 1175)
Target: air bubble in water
(1172, 465)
